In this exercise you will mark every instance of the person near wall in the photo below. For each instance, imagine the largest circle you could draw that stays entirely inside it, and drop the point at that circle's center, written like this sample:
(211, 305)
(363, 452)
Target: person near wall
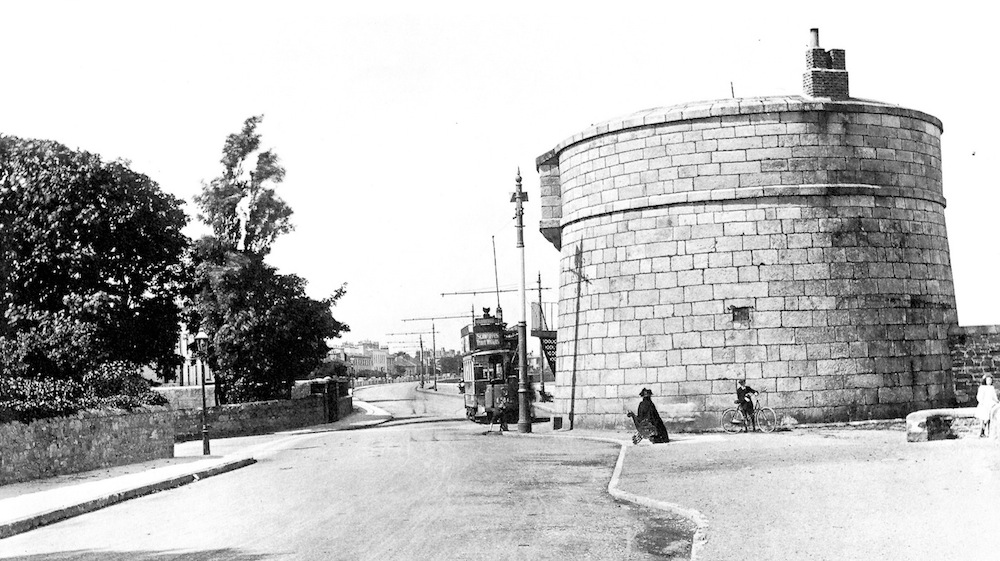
(986, 398)
(745, 403)
(647, 412)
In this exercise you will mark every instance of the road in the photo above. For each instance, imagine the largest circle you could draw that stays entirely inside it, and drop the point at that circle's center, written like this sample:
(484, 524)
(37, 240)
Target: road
(436, 490)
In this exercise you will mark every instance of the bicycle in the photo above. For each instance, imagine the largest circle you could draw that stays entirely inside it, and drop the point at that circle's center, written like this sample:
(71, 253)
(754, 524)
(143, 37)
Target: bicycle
(733, 418)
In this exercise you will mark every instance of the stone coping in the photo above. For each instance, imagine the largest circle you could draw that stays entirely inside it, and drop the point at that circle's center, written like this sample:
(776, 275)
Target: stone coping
(727, 107)
(975, 330)
(720, 195)
(98, 413)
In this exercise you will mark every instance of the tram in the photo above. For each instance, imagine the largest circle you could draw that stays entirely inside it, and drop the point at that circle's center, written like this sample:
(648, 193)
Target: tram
(489, 368)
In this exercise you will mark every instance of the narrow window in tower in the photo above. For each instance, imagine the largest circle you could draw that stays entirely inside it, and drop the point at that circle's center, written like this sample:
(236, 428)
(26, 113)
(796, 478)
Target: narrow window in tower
(741, 315)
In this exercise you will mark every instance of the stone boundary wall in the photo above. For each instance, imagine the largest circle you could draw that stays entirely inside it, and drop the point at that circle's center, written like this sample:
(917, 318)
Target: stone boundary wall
(975, 351)
(244, 419)
(345, 406)
(187, 397)
(89, 440)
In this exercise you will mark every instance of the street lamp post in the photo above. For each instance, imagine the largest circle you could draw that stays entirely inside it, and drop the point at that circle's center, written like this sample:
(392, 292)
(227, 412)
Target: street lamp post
(201, 342)
(518, 197)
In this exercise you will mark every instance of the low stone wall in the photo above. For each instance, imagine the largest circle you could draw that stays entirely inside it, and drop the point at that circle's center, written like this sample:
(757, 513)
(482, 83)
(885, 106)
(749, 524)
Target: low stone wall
(975, 351)
(86, 441)
(345, 406)
(244, 419)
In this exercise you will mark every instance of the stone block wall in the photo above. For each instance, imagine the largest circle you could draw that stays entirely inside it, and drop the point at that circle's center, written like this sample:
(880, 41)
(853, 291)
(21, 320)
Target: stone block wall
(89, 440)
(245, 419)
(186, 397)
(799, 244)
(975, 352)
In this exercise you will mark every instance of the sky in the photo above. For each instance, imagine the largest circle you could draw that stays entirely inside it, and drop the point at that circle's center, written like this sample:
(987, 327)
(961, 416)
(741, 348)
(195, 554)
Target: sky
(402, 125)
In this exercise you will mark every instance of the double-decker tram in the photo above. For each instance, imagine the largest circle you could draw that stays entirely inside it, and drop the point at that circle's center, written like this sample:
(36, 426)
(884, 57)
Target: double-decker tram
(490, 371)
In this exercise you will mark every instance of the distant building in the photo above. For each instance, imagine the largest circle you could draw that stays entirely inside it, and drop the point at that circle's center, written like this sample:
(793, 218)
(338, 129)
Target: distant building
(410, 367)
(189, 372)
(366, 355)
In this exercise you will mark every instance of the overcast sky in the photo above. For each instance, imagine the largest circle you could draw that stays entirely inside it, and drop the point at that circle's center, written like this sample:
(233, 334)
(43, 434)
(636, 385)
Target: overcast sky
(402, 125)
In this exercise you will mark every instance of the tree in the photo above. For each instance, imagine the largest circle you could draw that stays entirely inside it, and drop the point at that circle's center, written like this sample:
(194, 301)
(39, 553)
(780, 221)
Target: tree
(89, 262)
(331, 367)
(240, 205)
(450, 364)
(265, 332)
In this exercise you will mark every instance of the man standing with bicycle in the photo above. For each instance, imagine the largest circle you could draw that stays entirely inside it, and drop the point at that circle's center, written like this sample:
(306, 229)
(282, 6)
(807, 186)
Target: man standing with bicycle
(745, 401)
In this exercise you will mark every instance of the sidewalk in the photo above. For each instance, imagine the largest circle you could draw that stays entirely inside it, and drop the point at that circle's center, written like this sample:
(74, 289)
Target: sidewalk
(844, 491)
(30, 504)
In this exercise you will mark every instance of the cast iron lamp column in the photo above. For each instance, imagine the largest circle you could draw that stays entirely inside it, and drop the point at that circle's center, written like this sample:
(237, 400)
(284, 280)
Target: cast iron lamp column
(518, 197)
(201, 342)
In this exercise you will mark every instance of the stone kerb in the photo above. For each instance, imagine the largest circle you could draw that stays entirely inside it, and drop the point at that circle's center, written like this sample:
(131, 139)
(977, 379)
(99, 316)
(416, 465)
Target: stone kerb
(86, 441)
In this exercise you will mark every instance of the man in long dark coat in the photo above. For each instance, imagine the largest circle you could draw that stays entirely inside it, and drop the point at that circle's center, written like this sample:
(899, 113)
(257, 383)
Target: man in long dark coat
(647, 412)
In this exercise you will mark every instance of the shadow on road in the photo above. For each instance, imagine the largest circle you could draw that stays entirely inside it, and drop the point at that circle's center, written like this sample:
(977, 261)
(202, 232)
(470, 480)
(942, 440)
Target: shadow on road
(226, 554)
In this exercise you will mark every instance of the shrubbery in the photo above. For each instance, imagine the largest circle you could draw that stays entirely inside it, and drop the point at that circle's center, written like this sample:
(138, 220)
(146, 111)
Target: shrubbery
(113, 385)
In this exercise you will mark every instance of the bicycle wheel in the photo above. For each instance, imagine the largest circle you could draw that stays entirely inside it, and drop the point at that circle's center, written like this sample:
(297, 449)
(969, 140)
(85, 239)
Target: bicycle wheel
(767, 420)
(732, 420)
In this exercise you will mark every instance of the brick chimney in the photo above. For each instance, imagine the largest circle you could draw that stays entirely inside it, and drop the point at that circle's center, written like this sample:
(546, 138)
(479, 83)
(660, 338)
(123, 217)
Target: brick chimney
(826, 71)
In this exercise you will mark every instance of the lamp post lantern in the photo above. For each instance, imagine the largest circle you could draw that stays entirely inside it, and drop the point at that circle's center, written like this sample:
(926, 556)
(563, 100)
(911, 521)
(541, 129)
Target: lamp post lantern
(201, 346)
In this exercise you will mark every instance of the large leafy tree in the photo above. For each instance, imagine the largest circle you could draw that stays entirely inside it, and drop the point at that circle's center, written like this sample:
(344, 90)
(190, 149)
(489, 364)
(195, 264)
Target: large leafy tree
(241, 205)
(89, 262)
(265, 331)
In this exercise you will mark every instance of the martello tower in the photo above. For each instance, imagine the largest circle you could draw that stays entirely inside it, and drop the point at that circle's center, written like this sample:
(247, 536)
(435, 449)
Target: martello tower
(798, 242)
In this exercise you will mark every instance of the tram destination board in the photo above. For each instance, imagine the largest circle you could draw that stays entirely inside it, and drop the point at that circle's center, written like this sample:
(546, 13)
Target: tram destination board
(487, 338)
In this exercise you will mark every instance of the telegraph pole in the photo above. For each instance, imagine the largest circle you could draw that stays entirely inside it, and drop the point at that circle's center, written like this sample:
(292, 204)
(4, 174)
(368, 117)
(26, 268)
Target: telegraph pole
(580, 279)
(434, 356)
(421, 333)
(421, 361)
(518, 197)
(433, 333)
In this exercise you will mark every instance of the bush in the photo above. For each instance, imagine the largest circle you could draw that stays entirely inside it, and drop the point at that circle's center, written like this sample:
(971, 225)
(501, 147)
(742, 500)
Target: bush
(27, 399)
(331, 368)
(115, 385)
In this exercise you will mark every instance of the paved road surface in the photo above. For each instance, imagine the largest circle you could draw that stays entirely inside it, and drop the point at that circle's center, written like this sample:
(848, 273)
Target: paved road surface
(436, 491)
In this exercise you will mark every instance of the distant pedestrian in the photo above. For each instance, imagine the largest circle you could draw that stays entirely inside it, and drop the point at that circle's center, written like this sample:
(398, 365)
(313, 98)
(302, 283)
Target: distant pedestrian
(986, 399)
(502, 410)
(647, 412)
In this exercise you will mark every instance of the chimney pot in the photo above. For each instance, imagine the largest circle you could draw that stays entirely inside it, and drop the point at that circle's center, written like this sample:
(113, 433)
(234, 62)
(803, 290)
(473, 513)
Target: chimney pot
(826, 71)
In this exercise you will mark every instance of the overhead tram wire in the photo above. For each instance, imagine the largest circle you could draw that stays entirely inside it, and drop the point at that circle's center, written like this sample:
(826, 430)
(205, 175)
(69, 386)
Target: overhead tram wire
(485, 291)
(433, 321)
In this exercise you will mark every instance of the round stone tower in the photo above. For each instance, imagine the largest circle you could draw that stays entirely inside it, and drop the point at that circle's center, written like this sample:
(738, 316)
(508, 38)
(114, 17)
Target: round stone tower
(797, 242)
